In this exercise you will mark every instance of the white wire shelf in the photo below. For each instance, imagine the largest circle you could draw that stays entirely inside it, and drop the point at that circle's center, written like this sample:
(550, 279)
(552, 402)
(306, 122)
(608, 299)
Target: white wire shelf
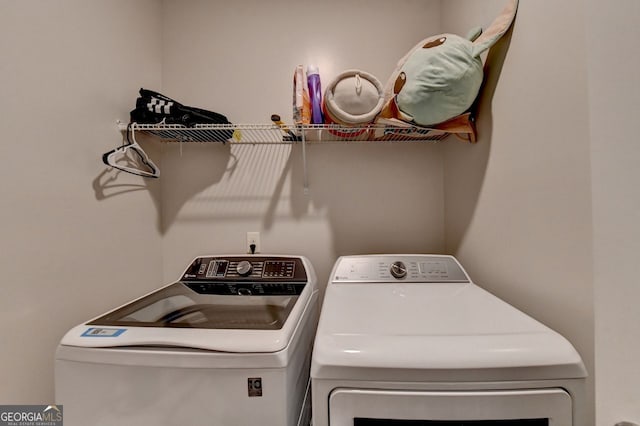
(391, 131)
(274, 134)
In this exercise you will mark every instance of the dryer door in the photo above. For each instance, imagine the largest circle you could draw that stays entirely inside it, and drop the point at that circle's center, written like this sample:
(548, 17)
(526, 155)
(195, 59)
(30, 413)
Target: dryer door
(541, 407)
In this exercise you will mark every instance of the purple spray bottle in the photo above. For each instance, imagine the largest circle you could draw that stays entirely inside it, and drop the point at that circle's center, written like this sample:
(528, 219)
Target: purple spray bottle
(315, 94)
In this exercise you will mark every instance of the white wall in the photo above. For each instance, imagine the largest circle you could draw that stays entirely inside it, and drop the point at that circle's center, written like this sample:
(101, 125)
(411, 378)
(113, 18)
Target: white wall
(239, 62)
(614, 59)
(518, 204)
(74, 242)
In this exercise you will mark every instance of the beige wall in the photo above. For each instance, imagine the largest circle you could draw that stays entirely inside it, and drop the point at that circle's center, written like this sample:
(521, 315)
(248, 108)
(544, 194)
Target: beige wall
(518, 204)
(614, 92)
(240, 62)
(78, 239)
(74, 242)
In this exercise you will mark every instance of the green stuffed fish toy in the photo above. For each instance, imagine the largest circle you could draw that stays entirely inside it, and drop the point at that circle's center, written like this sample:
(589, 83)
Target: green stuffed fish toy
(441, 76)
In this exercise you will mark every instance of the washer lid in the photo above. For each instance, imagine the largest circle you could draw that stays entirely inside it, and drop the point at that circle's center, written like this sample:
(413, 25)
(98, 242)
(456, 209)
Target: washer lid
(224, 303)
(434, 331)
(178, 316)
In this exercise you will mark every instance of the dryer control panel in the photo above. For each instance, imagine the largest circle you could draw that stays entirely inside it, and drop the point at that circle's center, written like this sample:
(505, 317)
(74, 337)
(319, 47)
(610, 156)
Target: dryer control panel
(399, 268)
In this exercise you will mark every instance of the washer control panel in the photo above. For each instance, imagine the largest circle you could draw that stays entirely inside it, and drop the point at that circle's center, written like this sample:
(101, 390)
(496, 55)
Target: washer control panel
(246, 276)
(251, 268)
(246, 288)
(399, 268)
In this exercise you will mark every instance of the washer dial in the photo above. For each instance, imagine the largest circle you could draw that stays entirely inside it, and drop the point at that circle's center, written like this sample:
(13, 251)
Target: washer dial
(244, 268)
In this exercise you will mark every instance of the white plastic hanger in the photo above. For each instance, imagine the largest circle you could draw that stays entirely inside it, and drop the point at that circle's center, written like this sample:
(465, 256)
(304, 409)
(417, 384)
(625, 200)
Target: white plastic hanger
(119, 157)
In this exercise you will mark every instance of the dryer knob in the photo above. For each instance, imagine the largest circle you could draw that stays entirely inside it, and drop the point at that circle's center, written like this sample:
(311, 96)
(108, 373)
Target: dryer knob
(398, 270)
(244, 268)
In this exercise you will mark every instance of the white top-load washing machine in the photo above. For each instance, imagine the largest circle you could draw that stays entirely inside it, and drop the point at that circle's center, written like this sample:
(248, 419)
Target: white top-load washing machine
(410, 340)
(227, 345)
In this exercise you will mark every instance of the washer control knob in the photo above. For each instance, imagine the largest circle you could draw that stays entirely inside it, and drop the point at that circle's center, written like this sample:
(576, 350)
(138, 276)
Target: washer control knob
(398, 270)
(244, 268)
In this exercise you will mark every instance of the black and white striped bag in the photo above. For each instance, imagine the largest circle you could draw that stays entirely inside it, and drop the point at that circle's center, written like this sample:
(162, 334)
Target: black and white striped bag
(154, 108)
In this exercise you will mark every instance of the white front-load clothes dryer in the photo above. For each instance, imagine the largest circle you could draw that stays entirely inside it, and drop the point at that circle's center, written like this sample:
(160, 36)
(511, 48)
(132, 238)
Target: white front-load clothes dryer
(410, 340)
(229, 344)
